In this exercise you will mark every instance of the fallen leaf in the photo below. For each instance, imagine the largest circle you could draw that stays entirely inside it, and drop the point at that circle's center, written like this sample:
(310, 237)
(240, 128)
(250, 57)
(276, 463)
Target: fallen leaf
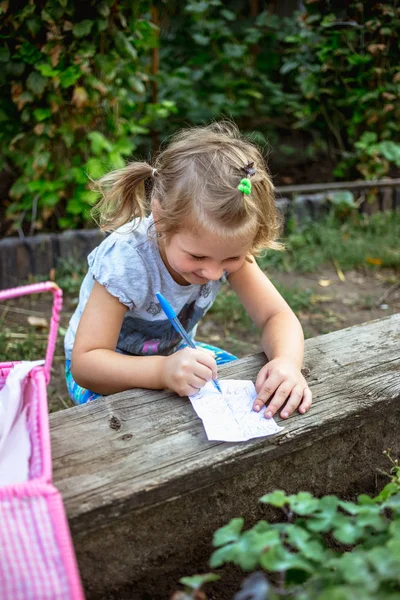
(38, 322)
(373, 261)
(324, 282)
(339, 271)
(315, 298)
(215, 338)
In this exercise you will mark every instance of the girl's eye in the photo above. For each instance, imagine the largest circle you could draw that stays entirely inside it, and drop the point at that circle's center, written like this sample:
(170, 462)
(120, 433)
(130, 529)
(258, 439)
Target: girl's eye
(233, 258)
(198, 257)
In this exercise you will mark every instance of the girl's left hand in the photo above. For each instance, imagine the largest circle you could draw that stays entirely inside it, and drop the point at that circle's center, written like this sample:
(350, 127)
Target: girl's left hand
(281, 382)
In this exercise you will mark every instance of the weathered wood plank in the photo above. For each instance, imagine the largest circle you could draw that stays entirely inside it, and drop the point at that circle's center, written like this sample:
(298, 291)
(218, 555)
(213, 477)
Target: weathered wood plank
(161, 440)
(337, 185)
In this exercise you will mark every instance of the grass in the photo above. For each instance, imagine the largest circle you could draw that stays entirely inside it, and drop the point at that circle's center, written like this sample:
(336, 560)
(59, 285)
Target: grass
(227, 307)
(69, 275)
(22, 343)
(360, 241)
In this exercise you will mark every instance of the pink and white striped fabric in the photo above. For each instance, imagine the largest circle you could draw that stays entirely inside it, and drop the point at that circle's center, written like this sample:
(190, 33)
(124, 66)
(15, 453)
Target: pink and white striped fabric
(37, 559)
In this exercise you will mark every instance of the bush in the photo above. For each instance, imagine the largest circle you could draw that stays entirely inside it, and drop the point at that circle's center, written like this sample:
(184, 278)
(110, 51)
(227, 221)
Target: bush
(75, 81)
(344, 66)
(82, 89)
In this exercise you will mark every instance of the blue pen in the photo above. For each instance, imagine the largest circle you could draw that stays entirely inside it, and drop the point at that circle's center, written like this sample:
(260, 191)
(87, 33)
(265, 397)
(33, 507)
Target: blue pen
(169, 311)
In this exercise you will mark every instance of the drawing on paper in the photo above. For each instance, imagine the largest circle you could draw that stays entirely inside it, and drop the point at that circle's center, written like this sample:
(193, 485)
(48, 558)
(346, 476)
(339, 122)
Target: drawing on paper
(230, 416)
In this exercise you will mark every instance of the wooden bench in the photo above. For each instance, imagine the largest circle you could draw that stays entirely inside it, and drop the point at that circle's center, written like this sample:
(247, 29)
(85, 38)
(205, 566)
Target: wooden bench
(144, 490)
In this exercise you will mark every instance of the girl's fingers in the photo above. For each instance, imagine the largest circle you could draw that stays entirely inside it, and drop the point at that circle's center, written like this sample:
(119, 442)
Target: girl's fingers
(192, 386)
(202, 372)
(278, 400)
(197, 383)
(307, 401)
(268, 389)
(292, 402)
(190, 390)
(261, 377)
(206, 359)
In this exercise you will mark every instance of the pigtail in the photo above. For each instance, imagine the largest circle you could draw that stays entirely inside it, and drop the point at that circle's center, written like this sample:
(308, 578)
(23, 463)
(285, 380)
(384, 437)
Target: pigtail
(123, 196)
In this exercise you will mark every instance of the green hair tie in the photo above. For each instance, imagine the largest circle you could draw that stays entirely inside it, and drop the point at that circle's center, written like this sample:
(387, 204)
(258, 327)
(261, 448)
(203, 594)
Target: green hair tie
(245, 186)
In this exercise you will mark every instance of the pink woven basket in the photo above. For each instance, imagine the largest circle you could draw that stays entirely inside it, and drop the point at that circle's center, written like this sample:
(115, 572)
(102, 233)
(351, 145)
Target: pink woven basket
(37, 559)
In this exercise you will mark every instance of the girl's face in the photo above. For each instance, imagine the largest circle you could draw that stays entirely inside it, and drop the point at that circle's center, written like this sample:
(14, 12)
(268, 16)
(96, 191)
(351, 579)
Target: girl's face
(195, 258)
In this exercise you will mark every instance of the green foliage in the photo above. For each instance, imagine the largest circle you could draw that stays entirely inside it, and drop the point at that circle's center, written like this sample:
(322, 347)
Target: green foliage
(195, 582)
(323, 548)
(220, 62)
(80, 89)
(227, 303)
(333, 75)
(69, 275)
(375, 157)
(74, 101)
(352, 243)
(344, 67)
(22, 343)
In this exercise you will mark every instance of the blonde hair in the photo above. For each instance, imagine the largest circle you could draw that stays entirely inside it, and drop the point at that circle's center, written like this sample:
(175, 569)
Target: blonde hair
(195, 182)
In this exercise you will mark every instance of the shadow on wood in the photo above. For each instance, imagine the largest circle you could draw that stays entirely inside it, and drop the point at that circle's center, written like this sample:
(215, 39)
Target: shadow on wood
(144, 490)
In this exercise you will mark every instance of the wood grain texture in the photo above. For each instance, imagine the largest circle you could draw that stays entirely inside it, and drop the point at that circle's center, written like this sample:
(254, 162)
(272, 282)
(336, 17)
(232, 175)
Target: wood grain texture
(135, 449)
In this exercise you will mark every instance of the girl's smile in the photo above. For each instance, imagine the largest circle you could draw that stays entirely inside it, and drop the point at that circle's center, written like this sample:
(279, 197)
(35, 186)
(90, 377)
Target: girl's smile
(195, 258)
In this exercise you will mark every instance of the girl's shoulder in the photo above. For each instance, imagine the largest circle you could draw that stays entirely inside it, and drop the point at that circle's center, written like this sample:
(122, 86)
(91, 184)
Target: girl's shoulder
(124, 243)
(124, 257)
(134, 233)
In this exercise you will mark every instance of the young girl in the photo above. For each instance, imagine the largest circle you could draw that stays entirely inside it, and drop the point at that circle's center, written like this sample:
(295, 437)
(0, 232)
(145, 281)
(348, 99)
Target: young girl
(212, 209)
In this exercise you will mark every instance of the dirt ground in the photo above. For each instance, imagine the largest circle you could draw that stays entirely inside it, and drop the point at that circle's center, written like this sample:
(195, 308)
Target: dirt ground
(334, 304)
(363, 296)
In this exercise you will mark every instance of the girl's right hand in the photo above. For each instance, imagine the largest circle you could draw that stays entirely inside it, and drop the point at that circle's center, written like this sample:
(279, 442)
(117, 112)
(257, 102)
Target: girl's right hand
(188, 370)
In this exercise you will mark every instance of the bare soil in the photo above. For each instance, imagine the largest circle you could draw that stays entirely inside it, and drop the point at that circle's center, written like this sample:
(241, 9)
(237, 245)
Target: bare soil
(363, 296)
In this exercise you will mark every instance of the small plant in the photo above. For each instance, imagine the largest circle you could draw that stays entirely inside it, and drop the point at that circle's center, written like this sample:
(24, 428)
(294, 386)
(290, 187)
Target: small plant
(323, 548)
(69, 275)
(22, 343)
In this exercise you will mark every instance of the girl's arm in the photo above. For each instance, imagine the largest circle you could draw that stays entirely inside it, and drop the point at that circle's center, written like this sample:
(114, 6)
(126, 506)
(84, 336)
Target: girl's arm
(96, 366)
(282, 341)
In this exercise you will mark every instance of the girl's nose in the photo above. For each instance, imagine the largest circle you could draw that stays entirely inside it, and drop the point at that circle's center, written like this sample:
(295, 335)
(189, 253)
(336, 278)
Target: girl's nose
(213, 273)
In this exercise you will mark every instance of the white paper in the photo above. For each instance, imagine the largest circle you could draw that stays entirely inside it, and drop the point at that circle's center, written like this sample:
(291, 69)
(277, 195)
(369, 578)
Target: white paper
(229, 417)
(15, 443)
